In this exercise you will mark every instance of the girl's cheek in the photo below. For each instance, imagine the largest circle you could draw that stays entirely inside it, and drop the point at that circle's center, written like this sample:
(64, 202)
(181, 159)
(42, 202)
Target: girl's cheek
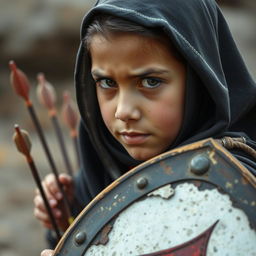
(167, 118)
(108, 116)
(104, 108)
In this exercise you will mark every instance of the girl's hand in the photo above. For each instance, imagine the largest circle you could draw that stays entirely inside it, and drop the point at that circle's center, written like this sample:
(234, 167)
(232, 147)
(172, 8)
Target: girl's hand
(55, 199)
(47, 253)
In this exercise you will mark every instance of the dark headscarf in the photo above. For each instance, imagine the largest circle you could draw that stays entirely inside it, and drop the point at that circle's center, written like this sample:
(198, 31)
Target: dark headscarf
(220, 93)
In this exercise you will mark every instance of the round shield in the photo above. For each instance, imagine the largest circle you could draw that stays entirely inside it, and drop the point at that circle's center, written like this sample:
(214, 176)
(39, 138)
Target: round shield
(195, 200)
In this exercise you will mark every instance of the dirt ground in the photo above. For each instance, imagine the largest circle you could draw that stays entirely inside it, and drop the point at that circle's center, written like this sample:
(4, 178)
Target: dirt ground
(20, 233)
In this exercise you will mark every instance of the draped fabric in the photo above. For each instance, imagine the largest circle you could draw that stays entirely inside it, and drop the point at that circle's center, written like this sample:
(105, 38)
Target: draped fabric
(220, 93)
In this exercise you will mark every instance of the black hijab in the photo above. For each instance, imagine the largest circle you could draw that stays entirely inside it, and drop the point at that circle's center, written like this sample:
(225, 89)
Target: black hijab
(220, 93)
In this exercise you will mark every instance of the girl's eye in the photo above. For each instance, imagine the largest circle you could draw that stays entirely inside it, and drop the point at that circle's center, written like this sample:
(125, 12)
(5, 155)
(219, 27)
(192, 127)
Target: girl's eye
(106, 83)
(151, 82)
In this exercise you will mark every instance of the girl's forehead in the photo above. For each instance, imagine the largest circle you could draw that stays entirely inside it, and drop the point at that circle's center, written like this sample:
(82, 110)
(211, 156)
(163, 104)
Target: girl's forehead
(132, 42)
(126, 56)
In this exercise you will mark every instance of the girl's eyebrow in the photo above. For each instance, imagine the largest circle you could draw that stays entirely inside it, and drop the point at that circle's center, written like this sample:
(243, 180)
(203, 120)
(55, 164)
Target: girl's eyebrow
(149, 71)
(136, 73)
(98, 73)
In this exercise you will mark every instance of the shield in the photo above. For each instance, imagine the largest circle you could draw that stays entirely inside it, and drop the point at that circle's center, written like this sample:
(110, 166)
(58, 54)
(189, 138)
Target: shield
(194, 200)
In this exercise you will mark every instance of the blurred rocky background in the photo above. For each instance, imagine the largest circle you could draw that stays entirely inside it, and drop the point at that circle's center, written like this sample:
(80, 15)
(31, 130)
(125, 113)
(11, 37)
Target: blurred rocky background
(43, 36)
(40, 36)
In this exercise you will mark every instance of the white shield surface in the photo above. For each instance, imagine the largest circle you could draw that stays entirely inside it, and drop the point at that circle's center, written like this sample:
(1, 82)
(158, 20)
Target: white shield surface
(170, 217)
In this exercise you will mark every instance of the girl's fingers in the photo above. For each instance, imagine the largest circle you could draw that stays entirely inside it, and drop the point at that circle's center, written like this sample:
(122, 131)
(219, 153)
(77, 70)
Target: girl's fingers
(45, 220)
(40, 207)
(52, 190)
(68, 185)
(42, 216)
(39, 203)
(51, 185)
(47, 253)
(54, 197)
(65, 179)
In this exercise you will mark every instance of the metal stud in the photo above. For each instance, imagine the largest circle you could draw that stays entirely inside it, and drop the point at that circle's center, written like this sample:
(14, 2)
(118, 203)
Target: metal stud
(142, 182)
(80, 238)
(200, 164)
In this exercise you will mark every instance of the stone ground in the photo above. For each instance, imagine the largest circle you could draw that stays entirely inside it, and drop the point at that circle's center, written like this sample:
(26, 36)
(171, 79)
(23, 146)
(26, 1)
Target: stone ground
(20, 233)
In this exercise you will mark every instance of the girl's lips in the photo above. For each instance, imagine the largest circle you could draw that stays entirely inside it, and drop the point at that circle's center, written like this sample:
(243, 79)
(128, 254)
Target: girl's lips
(133, 138)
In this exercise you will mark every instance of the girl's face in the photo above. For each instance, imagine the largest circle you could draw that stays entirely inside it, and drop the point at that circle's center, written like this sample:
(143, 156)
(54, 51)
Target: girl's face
(140, 89)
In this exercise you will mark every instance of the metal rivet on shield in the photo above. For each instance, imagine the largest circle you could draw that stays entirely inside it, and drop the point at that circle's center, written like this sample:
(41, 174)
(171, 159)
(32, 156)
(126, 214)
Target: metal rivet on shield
(80, 237)
(142, 182)
(200, 164)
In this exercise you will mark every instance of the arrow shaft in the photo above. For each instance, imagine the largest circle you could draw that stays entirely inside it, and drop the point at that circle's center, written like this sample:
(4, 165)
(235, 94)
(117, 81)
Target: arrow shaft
(62, 145)
(41, 190)
(75, 143)
(49, 156)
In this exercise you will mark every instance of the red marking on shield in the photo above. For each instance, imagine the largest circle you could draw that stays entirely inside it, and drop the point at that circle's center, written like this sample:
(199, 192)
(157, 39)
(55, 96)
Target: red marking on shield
(195, 247)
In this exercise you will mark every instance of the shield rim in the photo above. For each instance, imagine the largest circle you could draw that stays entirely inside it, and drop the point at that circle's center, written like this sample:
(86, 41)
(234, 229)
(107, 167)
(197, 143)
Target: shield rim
(112, 204)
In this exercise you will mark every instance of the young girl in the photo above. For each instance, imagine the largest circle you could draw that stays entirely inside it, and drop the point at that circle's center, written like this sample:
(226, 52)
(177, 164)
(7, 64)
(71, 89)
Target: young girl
(152, 76)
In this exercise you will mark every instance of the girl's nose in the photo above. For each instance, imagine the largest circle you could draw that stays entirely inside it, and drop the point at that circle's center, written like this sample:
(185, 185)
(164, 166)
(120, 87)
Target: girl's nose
(127, 108)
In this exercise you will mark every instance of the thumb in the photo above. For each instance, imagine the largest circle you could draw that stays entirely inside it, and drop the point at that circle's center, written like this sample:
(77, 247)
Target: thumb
(65, 179)
(47, 253)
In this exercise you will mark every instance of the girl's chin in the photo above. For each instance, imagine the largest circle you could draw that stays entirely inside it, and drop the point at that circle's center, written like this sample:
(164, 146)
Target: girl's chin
(141, 156)
(144, 153)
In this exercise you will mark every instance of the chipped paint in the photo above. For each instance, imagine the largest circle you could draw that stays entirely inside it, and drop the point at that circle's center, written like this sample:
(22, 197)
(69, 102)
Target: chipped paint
(244, 181)
(211, 156)
(167, 169)
(245, 202)
(165, 192)
(103, 235)
(229, 185)
(121, 199)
